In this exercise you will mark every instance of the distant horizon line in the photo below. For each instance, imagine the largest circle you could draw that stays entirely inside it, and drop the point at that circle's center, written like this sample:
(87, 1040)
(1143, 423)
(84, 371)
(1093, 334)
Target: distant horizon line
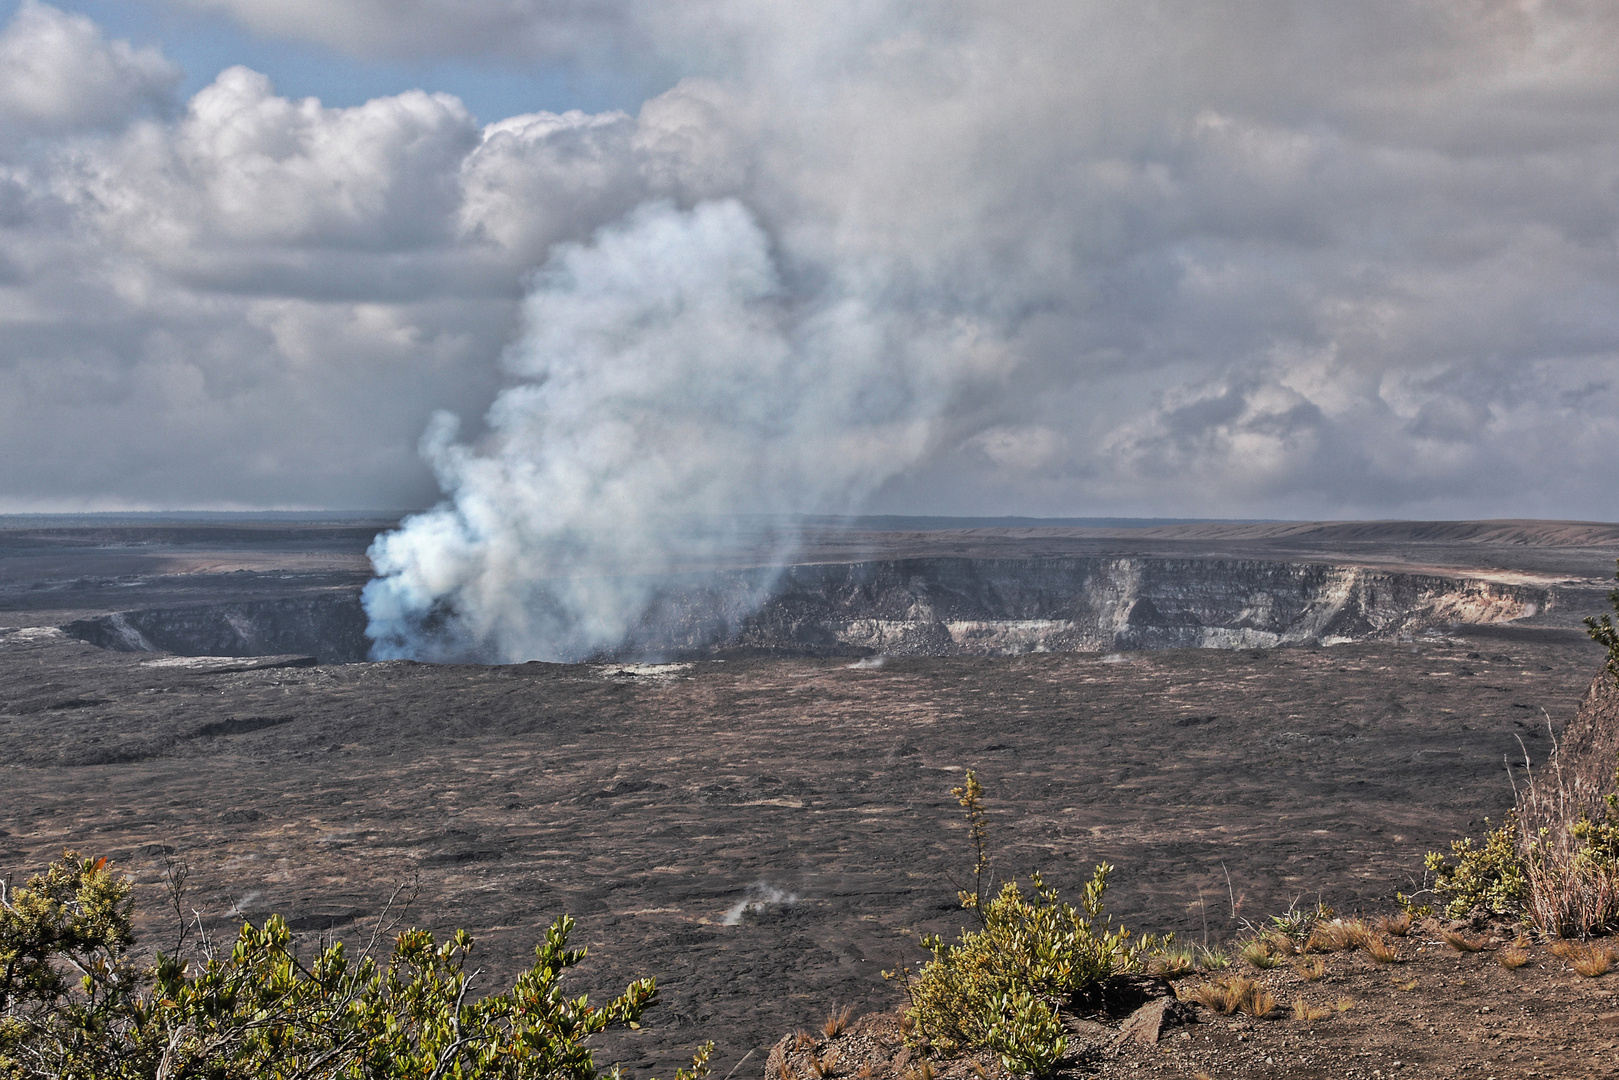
(868, 521)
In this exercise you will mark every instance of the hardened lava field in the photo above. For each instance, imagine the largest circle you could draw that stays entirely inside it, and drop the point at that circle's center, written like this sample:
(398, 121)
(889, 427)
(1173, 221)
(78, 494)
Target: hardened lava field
(763, 836)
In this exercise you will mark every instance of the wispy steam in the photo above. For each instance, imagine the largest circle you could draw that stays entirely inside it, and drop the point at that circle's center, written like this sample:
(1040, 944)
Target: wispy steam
(669, 385)
(759, 898)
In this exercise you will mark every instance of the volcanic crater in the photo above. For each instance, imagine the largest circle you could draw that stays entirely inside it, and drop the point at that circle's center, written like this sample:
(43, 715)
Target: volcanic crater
(761, 817)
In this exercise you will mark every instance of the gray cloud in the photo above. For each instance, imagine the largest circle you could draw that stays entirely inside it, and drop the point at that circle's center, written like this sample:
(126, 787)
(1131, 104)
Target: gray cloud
(1259, 259)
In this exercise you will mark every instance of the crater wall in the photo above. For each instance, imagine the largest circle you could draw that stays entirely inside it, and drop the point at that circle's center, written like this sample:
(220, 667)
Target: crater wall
(923, 607)
(941, 606)
(329, 625)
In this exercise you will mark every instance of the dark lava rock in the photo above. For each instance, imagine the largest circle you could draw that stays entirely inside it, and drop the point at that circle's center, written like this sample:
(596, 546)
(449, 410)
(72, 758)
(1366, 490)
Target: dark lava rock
(814, 789)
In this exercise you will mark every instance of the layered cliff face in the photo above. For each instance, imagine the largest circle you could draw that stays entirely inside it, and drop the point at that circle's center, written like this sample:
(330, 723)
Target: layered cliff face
(924, 607)
(942, 607)
(329, 625)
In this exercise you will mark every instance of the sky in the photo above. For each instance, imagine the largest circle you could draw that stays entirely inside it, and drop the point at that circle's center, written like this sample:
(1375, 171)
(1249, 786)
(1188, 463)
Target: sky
(608, 260)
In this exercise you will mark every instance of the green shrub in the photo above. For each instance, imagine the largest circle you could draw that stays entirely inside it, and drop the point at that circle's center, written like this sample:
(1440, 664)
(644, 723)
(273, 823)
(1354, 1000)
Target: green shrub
(1001, 987)
(74, 1005)
(1599, 837)
(1490, 876)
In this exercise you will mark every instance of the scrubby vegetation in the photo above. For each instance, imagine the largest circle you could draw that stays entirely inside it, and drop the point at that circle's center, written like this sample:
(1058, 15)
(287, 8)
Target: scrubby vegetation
(1001, 987)
(1605, 633)
(1554, 860)
(74, 1004)
(1549, 863)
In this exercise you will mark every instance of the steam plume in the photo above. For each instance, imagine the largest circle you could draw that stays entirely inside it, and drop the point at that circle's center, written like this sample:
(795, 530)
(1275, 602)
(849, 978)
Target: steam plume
(669, 384)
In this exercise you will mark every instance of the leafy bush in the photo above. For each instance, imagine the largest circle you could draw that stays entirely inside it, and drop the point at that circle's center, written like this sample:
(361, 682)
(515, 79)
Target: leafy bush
(1000, 987)
(1490, 876)
(73, 1004)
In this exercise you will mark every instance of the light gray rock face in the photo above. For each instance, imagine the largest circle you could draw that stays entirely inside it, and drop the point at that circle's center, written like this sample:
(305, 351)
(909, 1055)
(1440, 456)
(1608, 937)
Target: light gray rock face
(924, 607)
(987, 607)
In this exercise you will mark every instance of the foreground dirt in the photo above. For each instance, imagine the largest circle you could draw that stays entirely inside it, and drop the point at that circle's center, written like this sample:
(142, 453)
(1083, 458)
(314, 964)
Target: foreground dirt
(764, 836)
(1432, 1012)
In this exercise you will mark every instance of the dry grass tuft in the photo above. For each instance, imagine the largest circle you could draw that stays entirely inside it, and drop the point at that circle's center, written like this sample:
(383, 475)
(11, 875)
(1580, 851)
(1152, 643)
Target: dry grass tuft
(1381, 951)
(1312, 969)
(921, 1069)
(1211, 994)
(1233, 993)
(1461, 942)
(1339, 935)
(1258, 1003)
(803, 1040)
(837, 1021)
(1172, 963)
(1563, 948)
(1343, 1005)
(1303, 1010)
(1396, 925)
(1512, 957)
(1407, 986)
(1590, 961)
(1260, 953)
(1357, 934)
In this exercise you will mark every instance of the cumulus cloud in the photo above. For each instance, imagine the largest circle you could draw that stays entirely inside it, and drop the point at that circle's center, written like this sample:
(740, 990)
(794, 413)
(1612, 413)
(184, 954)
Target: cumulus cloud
(1260, 259)
(58, 73)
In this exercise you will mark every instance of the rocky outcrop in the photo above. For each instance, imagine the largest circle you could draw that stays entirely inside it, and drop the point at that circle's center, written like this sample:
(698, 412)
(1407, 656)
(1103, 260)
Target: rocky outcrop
(1588, 755)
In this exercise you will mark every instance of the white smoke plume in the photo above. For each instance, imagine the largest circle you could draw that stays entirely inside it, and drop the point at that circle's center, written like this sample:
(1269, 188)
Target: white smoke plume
(670, 389)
